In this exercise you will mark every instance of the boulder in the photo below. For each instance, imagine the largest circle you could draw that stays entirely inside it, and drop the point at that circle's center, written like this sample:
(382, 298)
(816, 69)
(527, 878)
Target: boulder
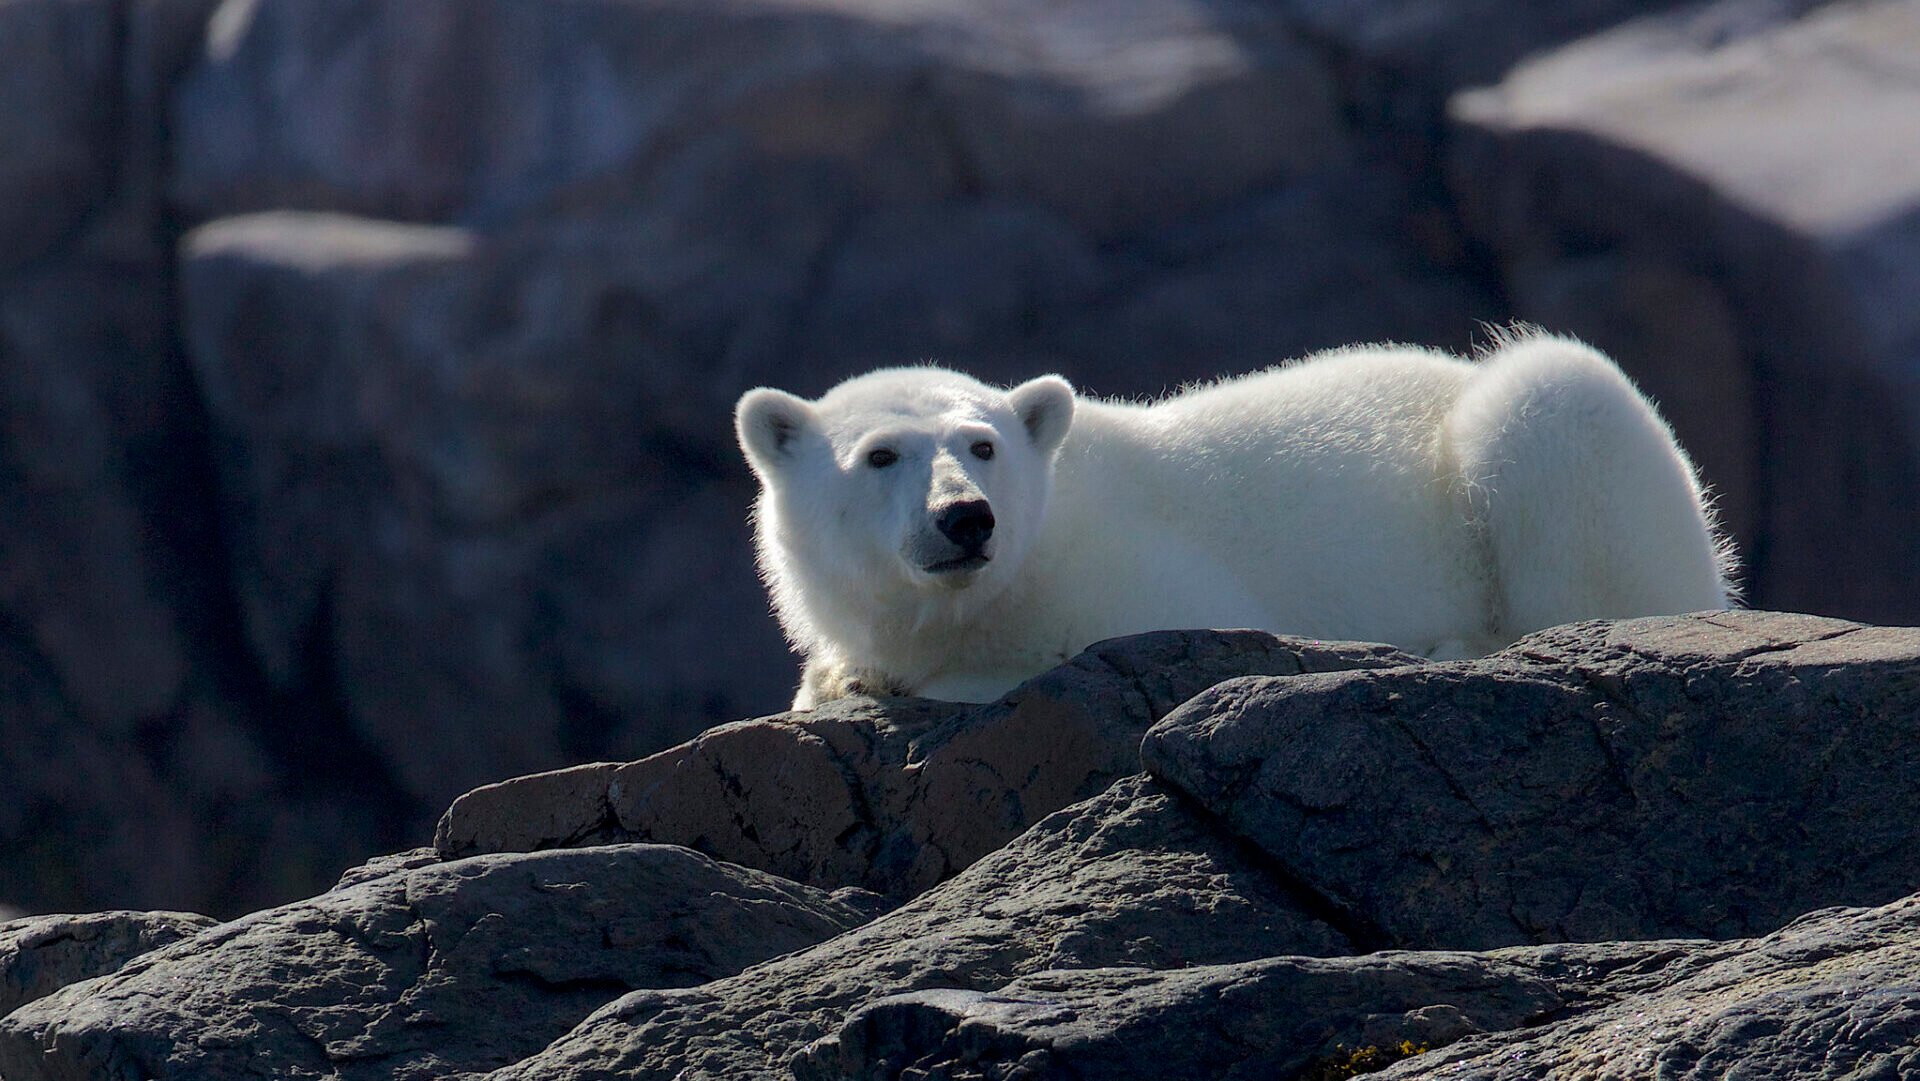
(41, 954)
(442, 970)
(890, 795)
(1712, 775)
(1719, 195)
(1131, 877)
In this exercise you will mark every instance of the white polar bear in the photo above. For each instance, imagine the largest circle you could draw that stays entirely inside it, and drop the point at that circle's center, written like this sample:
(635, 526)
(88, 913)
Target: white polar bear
(923, 533)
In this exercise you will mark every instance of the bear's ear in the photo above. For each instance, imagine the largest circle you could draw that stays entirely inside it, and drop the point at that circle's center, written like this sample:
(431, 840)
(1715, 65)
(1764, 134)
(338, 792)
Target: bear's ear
(773, 426)
(1045, 407)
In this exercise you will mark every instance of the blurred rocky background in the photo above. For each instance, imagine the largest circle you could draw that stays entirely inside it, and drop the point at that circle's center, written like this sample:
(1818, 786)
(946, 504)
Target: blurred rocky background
(366, 365)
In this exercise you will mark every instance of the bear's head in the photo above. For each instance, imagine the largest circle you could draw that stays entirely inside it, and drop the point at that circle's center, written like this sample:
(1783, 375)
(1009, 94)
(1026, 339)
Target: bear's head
(899, 493)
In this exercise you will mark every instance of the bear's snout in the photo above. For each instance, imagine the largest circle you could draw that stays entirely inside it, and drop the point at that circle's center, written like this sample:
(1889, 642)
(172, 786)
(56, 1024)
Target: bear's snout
(968, 524)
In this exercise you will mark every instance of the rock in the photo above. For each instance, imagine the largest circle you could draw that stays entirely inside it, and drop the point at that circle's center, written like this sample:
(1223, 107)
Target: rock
(41, 954)
(1710, 775)
(1832, 995)
(82, 394)
(1271, 1018)
(1108, 117)
(59, 57)
(1130, 877)
(893, 795)
(1403, 47)
(500, 543)
(1350, 254)
(414, 972)
(1677, 190)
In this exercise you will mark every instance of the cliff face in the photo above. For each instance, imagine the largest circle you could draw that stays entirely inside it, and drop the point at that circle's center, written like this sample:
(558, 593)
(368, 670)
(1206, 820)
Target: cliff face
(1613, 849)
(365, 366)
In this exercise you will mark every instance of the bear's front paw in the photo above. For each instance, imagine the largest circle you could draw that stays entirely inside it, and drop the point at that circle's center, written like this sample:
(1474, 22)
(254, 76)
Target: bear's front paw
(822, 682)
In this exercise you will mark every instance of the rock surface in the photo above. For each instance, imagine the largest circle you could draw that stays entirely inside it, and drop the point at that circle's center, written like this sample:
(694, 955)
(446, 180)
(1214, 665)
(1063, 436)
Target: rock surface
(41, 954)
(445, 970)
(1304, 885)
(1706, 776)
(894, 795)
(1130, 877)
(1834, 995)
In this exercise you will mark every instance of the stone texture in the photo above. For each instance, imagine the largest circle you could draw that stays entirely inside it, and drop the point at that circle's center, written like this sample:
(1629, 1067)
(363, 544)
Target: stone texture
(1712, 775)
(41, 954)
(1719, 195)
(1271, 1018)
(1240, 915)
(443, 970)
(890, 795)
(1130, 877)
(1832, 996)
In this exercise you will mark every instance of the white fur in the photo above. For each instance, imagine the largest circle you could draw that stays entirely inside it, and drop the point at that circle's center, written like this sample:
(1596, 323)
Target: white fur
(1377, 493)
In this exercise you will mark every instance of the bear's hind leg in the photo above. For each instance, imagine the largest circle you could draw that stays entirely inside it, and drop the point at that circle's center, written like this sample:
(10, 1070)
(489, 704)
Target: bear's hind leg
(1590, 508)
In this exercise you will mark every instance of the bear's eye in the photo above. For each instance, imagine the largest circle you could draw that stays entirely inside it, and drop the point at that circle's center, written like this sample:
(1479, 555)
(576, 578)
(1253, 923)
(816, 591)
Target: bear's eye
(881, 457)
(983, 450)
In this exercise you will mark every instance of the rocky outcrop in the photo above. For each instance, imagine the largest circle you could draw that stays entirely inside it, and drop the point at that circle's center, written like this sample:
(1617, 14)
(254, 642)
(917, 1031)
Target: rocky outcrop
(1322, 871)
(40, 955)
(1713, 776)
(891, 796)
(1130, 877)
(444, 970)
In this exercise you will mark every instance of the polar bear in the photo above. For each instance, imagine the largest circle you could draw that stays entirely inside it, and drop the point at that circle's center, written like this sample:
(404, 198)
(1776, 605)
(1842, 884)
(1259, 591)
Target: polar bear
(921, 532)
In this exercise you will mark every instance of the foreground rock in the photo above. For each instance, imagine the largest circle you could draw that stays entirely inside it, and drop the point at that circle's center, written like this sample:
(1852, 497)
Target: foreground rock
(1835, 995)
(38, 956)
(896, 795)
(1306, 885)
(1131, 877)
(1713, 775)
(435, 971)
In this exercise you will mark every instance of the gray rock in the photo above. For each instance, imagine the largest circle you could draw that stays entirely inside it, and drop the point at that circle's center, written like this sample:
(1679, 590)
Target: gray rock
(1350, 254)
(1710, 775)
(891, 795)
(1131, 877)
(1677, 190)
(1402, 46)
(1108, 117)
(499, 542)
(444, 970)
(60, 80)
(1272, 1018)
(1832, 996)
(41, 954)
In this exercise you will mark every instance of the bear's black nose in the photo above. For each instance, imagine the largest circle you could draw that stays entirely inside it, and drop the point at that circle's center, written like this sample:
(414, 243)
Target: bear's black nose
(967, 524)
